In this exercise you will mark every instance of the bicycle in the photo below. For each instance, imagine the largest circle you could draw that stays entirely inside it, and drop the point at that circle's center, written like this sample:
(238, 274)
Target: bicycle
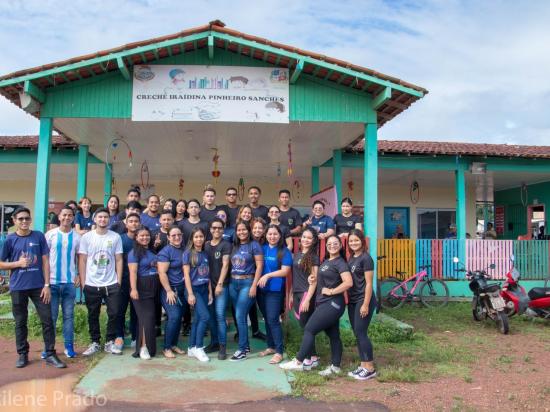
(433, 293)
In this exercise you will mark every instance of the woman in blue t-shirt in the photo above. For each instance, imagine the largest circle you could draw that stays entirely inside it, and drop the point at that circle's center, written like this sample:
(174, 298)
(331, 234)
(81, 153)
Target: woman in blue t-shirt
(144, 287)
(113, 205)
(197, 283)
(271, 292)
(83, 220)
(247, 262)
(172, 294)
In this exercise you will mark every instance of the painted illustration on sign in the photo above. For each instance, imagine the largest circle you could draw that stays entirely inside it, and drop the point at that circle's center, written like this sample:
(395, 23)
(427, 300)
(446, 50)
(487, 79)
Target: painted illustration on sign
(396, 222)
(210, 93)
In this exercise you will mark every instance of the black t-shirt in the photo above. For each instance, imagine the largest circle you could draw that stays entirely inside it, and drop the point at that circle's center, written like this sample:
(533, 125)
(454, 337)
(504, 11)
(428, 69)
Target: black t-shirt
(358, 266)
(285, 231)
(207, 215)
(187, 227)
(329, 276)
(261, 211)
(121, 216)
(231, 213)
(215, 258)
(345, 224)
(291, 218)
(299, 278)
(163, 240)
(119, 227)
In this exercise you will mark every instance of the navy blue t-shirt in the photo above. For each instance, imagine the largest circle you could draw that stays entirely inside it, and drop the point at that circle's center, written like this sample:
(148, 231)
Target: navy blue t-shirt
(242, 258)
(173, 255)
(147, 264)
(127, 246)
(228, 234)
(272, 264)
(33, 246)
(231, 213)
(322, 224)
(84, 222)
(199, 273)
(151, 223)
(112, 220)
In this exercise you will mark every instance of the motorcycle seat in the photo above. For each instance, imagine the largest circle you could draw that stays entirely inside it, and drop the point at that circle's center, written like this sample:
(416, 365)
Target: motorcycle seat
(537, 293)
(492, 287)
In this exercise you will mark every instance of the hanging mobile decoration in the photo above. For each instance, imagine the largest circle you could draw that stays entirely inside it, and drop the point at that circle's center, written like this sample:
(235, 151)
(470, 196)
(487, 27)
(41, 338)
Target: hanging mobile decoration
(296, 189)
(240, 189)
(112, 152)
(145, 176)
(215, 173)
(289, 170)
(350, 189)
(414, 192)
(180, 187)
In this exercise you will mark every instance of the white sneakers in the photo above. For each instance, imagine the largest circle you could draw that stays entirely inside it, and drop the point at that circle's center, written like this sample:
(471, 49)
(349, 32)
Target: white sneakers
(92, 349)
(330, 370)
(292, 365)
(198, 353)
(144, 353)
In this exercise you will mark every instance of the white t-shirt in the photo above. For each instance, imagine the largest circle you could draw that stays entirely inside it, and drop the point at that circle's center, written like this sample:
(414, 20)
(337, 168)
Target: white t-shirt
(101, 251)
(63, 249)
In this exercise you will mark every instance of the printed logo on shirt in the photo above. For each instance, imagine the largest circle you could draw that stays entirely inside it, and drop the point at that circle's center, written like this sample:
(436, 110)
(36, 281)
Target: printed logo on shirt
(102, 261)
(350, 222)
(238, 261)
(109, 243)
(324, 267)
(290, 221)
(353, 268)
(217, 255)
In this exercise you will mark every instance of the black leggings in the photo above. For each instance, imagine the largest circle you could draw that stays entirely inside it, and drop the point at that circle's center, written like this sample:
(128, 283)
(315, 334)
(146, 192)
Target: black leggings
(326, 317)
(304, 316)
(148, 287)
(360, 328)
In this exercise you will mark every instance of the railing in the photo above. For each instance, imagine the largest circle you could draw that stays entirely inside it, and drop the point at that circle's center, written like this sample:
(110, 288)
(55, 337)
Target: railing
(408, 255)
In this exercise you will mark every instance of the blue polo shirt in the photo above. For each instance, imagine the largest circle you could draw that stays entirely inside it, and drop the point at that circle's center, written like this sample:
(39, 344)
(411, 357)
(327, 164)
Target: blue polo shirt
(33, 246)
(147, 264)
(200, 273)
(173, 255)
(272, 264)
(242, 258)
(322, 224)
(151, 223)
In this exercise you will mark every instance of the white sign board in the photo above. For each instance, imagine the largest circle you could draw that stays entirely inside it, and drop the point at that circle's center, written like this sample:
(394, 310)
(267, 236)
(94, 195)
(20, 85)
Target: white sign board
(210, 93)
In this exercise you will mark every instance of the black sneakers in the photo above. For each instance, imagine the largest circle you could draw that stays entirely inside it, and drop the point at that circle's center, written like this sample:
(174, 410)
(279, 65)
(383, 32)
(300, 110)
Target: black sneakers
(53, 360)
(22, 361)
(362, 374)
(212, 348)
(222, 354)
(238, 356)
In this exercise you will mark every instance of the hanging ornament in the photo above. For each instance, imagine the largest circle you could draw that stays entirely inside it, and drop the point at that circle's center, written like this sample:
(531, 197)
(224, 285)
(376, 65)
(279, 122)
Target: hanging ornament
(180, 187)
(290, 171)
(415, 192)
(216, 173)
(145, 176)
(279, 176)
(350, 189)
(114, 151)
(296, 189)
(240, 189)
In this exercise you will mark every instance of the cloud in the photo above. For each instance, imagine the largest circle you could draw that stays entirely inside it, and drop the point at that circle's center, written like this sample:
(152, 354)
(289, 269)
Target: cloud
(484, 63)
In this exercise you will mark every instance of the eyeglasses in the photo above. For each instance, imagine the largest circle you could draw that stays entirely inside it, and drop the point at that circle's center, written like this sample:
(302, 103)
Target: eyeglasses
(24, 219)
(217, 228)
(231, 194)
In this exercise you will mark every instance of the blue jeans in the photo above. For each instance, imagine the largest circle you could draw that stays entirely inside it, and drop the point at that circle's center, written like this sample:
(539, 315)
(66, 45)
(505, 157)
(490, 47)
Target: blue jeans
(201, 316)
(64, 294)
(218, 325)
(175, 314)
(271, 304)
(238, 290)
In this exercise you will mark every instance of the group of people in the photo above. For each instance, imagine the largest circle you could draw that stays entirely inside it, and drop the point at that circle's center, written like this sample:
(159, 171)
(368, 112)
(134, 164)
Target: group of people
(191, 259)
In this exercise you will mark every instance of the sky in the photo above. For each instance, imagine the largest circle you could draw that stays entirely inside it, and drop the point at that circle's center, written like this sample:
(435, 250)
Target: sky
(486, 63)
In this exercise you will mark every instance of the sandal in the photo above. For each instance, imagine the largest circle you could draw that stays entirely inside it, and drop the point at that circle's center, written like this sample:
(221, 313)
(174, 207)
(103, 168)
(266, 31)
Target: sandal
(178, 350)
(266, 352)
(168, 354)
(277, 358)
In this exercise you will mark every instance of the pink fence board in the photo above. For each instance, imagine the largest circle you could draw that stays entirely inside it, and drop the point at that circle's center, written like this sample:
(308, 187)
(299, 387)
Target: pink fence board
(480, 254)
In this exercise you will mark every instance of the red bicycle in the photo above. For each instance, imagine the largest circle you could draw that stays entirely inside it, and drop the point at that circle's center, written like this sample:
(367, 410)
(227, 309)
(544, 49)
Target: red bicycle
(432, 293)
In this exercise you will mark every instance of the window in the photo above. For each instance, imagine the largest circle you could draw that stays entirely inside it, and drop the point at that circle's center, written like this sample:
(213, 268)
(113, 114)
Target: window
(435, 223)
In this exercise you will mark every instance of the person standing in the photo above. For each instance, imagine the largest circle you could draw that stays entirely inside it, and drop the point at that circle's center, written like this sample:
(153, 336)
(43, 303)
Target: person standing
(113, 206)
(274, 215)
(333, 279)
(84, 220)
(209, 209)
(231, 207)
(289, 217)
(64, 243)
(258, 210)
(323, 224)
(144, 284)
(196, 272)
(181, 211)
(160, 236)
(150, 218)
(219, 253)
(346, 221)
(100, 267)
(194, 220)
(120, 226)
(271, 292)
(362, 302)
(133, 195)
(25, 254)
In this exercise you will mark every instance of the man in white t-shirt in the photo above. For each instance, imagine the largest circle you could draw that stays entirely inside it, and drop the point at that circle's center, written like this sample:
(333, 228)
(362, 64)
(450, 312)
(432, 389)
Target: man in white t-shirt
(64, 242)
(100, 266)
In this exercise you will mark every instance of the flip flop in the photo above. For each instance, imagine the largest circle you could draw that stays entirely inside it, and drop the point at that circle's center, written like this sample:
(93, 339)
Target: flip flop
(277, 358)
(266, 352)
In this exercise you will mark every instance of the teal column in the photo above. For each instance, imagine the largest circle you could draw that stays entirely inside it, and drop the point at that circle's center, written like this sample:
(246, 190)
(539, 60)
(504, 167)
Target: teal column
(460, 183)
(107, 184)
(43, 173)
(82, 172)
(337, 175)
(314, 179)
(370, 191)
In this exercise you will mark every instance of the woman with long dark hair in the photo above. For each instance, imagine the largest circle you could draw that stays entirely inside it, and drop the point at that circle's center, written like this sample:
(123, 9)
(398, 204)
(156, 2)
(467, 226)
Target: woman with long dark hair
(170, 205)
(144, 287)
(113, 206)
(181, 211)
(346, 221)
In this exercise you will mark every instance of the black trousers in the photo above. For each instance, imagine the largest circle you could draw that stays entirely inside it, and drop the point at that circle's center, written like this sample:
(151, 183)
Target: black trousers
(94, 296)
(20, 303)
(148, 289)
(325, 318)
(304, 317)
(360, 328)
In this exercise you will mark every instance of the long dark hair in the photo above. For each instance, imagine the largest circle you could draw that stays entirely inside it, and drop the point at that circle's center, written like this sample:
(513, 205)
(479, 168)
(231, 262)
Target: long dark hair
(173, 208)
(281, 245)
(191, 245)
(361, 236)
(342, 252)
(140, 250)
(185, 214)
(236, 240)
(259, 220)
(306, 263)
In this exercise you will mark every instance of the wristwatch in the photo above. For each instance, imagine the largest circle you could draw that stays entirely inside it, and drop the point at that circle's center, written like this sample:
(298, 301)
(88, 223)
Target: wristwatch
(46, 285)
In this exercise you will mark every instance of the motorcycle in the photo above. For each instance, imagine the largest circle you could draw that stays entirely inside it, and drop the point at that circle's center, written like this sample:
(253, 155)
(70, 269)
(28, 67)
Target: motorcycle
(486, 302)
(535, 304)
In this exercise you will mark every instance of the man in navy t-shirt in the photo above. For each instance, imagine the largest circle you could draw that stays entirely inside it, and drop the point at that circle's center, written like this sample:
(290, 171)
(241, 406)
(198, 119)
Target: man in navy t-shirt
(25, 253)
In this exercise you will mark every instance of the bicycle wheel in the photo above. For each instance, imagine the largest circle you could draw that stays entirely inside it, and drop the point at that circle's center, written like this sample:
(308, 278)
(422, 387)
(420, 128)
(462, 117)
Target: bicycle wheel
(394, 300)
(434, 293)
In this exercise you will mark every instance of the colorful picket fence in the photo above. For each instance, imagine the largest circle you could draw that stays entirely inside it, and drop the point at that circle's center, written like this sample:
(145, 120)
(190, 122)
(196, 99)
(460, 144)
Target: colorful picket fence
(532, 257)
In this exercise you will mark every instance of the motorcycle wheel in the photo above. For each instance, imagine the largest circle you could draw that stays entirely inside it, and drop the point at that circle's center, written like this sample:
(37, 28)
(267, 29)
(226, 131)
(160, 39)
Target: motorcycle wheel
(477, 310)
(502, 323)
